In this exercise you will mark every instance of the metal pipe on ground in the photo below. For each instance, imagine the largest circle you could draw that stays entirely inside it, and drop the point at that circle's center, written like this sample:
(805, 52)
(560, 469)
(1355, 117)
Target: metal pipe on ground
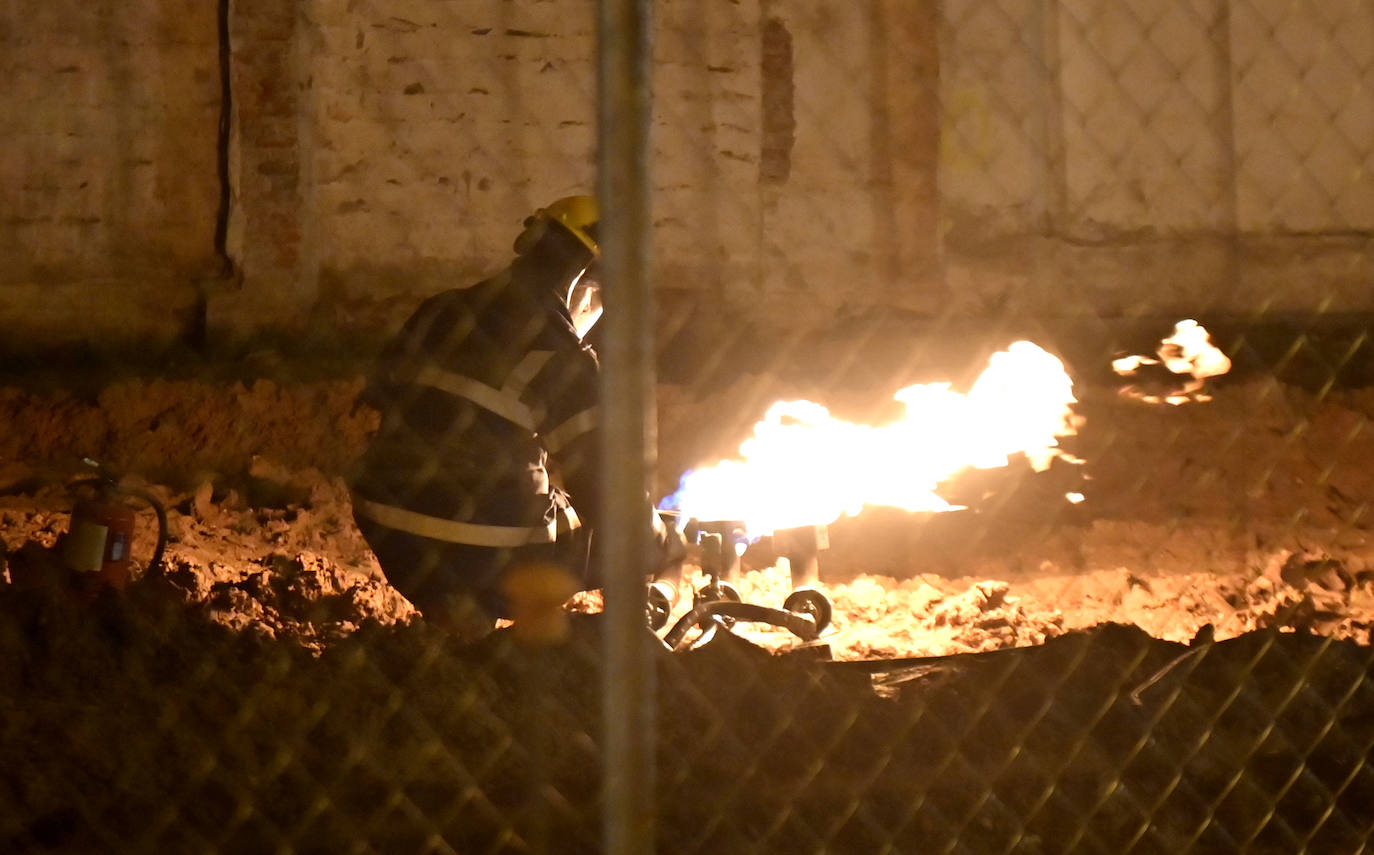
(802, 546)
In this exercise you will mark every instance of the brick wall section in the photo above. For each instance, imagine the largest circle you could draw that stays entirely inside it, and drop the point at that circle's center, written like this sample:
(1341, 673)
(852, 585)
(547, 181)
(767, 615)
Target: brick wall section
(267, 167)
(778, 124)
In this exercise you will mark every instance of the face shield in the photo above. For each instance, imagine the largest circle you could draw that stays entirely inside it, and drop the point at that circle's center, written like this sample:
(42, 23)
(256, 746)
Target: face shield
(584, 303)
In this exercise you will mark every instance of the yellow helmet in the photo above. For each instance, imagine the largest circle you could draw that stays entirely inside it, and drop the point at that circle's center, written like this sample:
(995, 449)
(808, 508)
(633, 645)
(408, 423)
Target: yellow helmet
(576, 214)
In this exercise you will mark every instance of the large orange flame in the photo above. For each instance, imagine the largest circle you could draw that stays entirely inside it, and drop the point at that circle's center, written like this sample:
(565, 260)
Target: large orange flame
(803, 467)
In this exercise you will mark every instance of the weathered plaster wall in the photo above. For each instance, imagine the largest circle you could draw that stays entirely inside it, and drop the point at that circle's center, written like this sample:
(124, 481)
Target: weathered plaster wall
(784, 167)
(852, 226)
(1178, 156)
(109, 192)
(812, 159)
(381, 149)
(438, 127)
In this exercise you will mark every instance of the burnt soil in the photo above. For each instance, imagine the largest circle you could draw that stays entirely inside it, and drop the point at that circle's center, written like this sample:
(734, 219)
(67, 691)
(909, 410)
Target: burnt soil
(993, 680)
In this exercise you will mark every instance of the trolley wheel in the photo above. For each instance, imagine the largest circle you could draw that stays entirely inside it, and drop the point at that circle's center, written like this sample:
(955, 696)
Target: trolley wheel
(657, 608)
(714, 591)
(810, 602)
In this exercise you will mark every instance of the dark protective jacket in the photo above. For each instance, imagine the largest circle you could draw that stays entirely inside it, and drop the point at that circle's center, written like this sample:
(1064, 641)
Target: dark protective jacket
(477, 390)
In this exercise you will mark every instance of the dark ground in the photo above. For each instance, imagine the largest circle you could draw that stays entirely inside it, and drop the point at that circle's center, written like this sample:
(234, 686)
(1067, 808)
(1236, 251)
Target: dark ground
(268, 692)
(134, 724)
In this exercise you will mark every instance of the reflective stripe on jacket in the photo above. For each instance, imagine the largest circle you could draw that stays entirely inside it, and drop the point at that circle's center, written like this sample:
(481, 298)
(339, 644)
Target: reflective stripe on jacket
(504, 402)
(470, 534)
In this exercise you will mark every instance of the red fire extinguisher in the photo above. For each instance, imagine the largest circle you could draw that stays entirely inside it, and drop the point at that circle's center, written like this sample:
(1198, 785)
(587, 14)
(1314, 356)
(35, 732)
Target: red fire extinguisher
(101, 532)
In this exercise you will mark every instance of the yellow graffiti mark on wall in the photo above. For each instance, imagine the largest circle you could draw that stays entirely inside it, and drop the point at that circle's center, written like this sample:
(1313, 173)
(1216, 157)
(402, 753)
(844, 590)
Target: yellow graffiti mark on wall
(968, 137)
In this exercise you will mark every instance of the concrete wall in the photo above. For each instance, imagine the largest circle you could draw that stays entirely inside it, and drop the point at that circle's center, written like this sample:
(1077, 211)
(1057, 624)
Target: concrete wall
(1184, 156)
(812, 159)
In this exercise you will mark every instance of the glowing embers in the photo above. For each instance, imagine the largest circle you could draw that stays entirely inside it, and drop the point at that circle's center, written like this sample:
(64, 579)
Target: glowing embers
(1188, 355)
(803, 467)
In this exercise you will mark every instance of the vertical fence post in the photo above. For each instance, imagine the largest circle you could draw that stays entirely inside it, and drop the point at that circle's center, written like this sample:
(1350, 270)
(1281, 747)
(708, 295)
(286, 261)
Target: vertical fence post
(627, 420)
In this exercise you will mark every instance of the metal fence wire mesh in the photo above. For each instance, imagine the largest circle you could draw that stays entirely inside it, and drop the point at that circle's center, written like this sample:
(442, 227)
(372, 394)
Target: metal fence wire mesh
(1012, 404)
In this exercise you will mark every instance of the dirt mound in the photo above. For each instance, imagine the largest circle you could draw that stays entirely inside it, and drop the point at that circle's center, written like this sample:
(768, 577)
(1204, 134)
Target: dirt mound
(266, 689)
(135, 723)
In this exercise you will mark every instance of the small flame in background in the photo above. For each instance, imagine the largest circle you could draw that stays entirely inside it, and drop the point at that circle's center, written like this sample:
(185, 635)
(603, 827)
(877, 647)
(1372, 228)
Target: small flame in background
(804, 467)
(1189, 351)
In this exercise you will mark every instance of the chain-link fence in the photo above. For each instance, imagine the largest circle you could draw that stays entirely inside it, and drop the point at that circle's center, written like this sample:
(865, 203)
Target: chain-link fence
(1001, 367)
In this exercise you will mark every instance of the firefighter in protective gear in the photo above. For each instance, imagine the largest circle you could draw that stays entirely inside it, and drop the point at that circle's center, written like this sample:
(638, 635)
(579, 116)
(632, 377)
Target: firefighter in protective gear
(488, 397)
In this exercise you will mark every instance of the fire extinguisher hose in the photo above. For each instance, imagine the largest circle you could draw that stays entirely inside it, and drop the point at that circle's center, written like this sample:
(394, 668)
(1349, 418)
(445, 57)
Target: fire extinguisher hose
(154, 563)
